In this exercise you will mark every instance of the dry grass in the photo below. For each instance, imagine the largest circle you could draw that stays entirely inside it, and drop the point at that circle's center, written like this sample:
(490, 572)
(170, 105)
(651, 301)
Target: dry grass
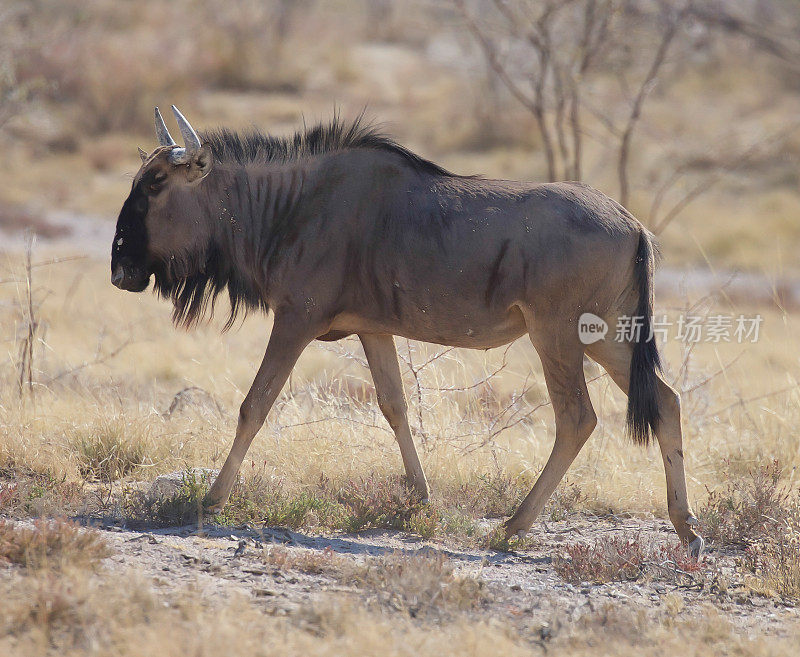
(761, 513)
(50, 544)
(110, 449)
(419, 585)
(73, 614)
(774, 562)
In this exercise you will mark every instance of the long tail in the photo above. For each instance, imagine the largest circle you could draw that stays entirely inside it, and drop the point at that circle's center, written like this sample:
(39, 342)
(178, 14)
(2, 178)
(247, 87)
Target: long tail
(643, 413)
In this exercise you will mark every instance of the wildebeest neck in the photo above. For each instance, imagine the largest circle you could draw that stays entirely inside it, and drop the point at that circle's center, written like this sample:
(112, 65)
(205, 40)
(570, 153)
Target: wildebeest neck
(250, 212)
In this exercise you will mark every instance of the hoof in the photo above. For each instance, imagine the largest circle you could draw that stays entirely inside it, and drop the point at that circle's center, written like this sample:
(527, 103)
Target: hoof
(211, 508)
(512, 531)
(696, 547)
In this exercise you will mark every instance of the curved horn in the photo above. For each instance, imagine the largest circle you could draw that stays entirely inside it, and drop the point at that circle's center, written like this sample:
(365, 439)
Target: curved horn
(164, 138)
(190, 139)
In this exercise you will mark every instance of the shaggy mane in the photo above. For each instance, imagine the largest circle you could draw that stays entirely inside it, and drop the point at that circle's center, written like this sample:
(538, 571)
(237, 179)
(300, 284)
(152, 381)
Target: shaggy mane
(255, 146)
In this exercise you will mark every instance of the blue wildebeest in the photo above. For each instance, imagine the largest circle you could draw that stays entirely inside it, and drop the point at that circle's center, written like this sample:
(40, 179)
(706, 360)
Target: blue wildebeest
(339, 230)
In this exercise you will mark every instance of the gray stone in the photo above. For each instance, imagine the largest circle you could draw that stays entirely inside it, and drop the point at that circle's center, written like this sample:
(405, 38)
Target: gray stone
(169, 484)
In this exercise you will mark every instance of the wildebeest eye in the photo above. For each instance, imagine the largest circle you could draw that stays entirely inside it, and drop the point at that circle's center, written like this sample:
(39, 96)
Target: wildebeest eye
(154, 186)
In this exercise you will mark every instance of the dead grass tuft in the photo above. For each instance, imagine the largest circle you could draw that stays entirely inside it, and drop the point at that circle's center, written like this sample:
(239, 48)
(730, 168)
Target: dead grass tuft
(50, 544)
(110, 450)
(420, 584)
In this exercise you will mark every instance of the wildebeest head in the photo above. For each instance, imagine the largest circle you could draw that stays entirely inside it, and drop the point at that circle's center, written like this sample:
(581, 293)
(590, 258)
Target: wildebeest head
(158, 224)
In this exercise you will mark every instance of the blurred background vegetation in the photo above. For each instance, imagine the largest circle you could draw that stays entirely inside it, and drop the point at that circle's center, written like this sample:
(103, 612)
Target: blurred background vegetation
(686, 110)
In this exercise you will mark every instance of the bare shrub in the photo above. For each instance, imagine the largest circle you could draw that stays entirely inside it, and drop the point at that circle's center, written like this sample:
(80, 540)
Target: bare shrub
(50, 543)
(748, 508)
(775, 562)
(620, 558)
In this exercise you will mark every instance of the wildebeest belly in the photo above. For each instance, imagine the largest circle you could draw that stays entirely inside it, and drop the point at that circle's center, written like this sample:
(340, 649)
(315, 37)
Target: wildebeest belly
(476, 330)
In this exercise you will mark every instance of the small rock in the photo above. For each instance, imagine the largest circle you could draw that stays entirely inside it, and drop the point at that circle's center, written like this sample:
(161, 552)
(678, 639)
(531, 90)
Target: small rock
(254, 571)
(516, 587)
(169, 484)
(545, 633)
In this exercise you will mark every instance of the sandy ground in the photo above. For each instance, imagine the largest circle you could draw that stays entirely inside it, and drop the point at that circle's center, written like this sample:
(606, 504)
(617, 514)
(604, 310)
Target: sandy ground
(523, 586)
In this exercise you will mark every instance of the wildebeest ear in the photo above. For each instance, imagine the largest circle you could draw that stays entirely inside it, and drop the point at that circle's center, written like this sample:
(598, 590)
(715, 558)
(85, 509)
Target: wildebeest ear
(143, 154)
(201, 163)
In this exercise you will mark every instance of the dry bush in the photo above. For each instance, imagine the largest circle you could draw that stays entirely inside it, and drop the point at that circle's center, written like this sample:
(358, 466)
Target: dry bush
(493, 495)
(775, 562)
(182, 507)
(749, 508)
(315, 562)
(24, 492)
(622, 558)
(373, 502)
(50, 544)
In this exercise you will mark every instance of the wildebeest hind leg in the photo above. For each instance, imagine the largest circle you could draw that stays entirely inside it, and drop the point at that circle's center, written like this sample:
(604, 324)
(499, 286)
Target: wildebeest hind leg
(286, 343)
(615, 357)
(562, 362)
(382, 358)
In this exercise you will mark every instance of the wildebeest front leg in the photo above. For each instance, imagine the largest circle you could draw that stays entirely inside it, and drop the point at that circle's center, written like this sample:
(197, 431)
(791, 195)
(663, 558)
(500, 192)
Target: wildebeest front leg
(284, 348)
(382, 359)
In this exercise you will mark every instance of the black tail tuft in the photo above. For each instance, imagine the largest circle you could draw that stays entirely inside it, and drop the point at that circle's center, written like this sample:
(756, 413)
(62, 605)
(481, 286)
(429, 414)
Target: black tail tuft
(643, 413)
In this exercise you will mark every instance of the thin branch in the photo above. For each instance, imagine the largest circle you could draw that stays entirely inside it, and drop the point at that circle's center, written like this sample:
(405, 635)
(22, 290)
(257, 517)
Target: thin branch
(636, 108)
